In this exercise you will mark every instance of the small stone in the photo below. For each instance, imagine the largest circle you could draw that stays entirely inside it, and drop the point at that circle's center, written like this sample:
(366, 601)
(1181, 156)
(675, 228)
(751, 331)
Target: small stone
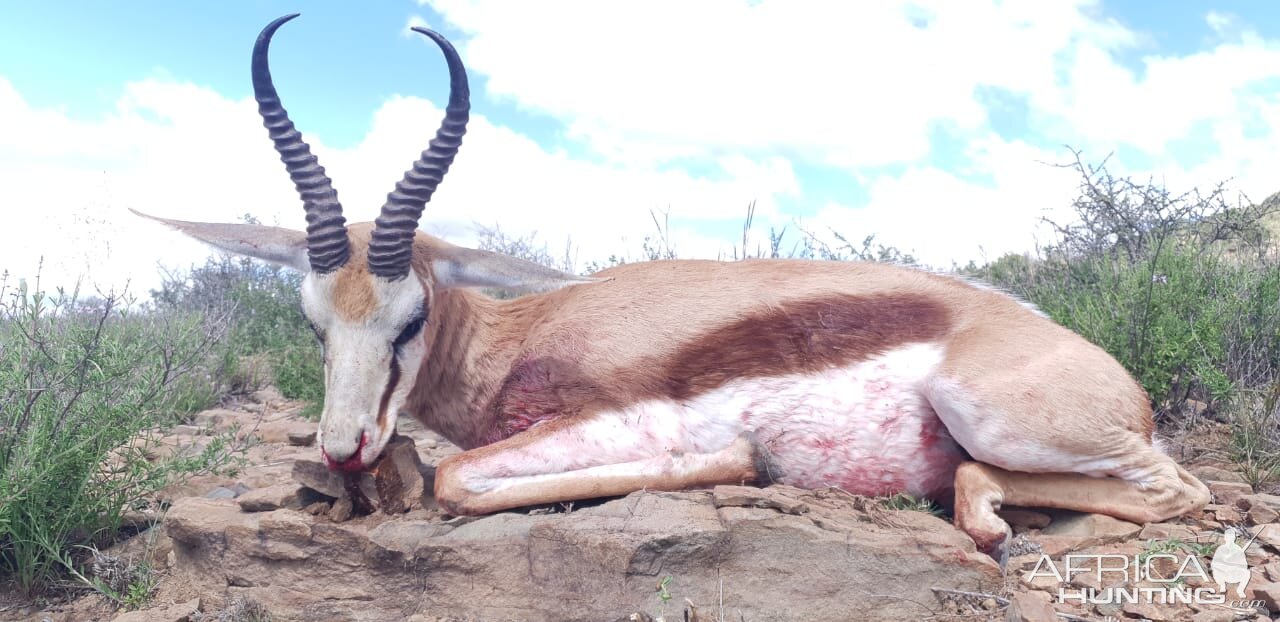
(1266, 591)
(1030, 607)
(290, 496)
(1021, 519)
(342, 510)
(1261, 515)
(299, 438)
(281, 431)
(1207, 525)
(317, 508)
(1272, 570)
(1166, 531)
(1248, 502)
(1268, 534)
(398, 477)
(1227, 493)
(221, 492)
(1224, 513)
(1097, 528)
(315, 475)
(1217, 474)
(140, 519)
(989, 604)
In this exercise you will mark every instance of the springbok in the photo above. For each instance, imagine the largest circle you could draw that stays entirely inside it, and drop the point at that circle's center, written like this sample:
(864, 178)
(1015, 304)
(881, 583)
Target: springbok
(872, 378)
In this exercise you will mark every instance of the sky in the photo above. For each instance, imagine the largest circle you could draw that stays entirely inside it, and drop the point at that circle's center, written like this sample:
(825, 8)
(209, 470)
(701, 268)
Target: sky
(936, 125)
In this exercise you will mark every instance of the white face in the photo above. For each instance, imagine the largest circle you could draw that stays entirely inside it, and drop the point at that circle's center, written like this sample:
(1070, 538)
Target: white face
(371, 359)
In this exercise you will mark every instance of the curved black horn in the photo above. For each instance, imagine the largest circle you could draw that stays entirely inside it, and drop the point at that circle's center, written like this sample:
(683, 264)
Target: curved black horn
(327, 244)
(392, 243)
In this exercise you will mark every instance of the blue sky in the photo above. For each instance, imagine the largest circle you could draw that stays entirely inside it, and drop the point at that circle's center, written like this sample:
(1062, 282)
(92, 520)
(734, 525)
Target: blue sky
(926, 122)
(79, 55)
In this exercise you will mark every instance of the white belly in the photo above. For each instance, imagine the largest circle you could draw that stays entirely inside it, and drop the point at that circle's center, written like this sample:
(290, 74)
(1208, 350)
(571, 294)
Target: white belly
(864, 428)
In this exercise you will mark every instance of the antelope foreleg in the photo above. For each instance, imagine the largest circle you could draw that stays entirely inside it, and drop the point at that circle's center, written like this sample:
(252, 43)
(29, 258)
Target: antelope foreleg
(481, 481)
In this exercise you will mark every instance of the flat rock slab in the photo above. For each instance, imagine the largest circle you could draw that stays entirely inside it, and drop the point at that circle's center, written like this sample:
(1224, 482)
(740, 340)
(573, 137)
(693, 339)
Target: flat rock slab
(773, 560)
(1089, 529)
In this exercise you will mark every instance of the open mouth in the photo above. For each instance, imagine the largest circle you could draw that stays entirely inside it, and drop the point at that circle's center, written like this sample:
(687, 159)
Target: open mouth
(352, 464)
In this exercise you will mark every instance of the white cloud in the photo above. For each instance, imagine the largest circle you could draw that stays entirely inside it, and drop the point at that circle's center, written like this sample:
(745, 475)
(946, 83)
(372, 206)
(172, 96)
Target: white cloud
(940, 217)
(1109, 104)
(850, 84)
(856, 85)
(168, 148)
(745, 91)
(182, 151)
(1220, 22)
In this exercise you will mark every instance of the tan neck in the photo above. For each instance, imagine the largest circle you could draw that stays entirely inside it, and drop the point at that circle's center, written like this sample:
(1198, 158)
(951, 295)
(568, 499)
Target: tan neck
(464, 368)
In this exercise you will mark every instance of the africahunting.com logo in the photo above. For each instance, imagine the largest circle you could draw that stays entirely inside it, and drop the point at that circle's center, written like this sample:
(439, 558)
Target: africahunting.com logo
(1161, 577)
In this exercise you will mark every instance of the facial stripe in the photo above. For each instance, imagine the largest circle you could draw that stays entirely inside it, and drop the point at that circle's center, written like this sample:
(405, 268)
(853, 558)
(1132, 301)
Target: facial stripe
(386, 392)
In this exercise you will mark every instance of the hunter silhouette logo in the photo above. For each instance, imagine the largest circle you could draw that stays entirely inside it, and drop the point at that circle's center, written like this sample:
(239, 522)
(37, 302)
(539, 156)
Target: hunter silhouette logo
(1164, 576)
(1229, 565)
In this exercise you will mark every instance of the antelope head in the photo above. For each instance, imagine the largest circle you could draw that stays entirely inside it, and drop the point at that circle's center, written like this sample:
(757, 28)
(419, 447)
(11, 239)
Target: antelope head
(365, 292)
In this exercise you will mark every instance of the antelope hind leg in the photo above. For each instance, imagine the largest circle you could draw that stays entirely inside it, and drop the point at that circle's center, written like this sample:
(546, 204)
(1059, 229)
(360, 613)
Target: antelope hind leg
(980, 490)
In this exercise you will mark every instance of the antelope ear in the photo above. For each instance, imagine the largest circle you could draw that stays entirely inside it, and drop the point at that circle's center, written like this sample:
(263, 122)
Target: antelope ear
(455, 266)
(275, 244)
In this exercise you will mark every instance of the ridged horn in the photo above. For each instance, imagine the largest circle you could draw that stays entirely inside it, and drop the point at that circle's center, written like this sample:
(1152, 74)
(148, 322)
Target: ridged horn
(391, 247)
(327, 245)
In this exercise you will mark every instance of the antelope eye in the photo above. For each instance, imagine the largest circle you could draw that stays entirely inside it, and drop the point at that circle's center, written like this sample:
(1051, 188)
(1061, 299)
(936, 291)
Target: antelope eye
(409, 331)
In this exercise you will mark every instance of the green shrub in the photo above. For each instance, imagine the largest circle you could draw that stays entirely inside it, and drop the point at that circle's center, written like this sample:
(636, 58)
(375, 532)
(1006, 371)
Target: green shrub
(1180, 288)
(1186, 324)
(262, 306)
(80, 379)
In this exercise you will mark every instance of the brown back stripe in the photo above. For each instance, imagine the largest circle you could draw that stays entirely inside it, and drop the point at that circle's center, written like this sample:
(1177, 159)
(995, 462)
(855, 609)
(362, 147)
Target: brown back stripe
(803, 336)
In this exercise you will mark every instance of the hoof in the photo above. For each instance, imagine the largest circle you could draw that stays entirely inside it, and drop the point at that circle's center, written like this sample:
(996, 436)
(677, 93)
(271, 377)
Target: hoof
(997, 546)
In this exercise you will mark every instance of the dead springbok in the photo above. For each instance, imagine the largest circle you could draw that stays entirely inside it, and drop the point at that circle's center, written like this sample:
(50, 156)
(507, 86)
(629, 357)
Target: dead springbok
(675, 374)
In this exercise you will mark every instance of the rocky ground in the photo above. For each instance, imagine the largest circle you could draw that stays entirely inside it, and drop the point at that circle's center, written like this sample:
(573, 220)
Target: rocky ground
(285, 540)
